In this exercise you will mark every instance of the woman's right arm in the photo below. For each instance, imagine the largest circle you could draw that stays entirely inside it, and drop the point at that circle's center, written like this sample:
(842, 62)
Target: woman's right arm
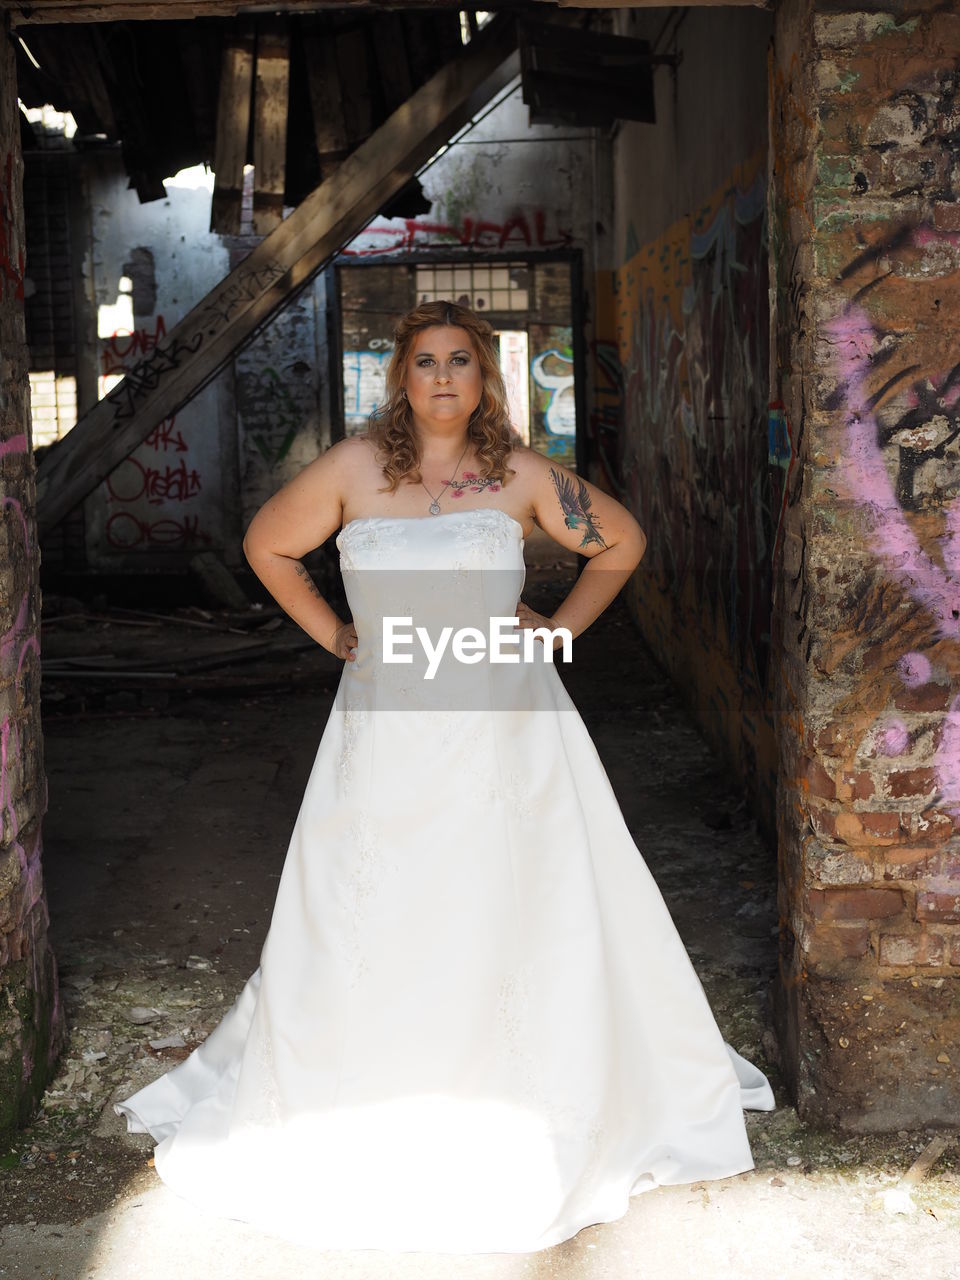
(298, 518)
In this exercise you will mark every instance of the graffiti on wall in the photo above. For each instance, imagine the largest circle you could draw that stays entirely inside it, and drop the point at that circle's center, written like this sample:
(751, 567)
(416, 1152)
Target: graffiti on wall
(693, 327)
(278, 398)
(151, 496)
(145, 480)
(552, 371)
(553, 401)
(275, 435)
(605, 422)
(143, 376)
(516, 232)
(364, 384)
(901, 465)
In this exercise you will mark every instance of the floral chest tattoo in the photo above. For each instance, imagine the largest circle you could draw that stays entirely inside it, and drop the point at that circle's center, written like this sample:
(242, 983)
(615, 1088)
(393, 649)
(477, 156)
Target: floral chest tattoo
(472, 483)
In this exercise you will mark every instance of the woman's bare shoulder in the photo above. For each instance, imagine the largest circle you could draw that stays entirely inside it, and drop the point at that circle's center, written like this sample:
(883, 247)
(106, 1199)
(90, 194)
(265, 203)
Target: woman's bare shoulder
(348, 460)
(526, 462)
(354, 451)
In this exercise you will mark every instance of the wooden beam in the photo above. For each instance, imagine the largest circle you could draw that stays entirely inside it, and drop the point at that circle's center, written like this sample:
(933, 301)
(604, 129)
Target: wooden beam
(326, 100)
(271, 98)
(233, 128)
(198, 347)
(35, 12)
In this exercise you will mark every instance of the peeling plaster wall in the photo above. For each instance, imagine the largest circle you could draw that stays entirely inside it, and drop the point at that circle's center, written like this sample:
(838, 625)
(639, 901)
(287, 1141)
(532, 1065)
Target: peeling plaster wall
(31, 1017)
(682, 366)
(865, 142)
(200, 475)
(167, 497)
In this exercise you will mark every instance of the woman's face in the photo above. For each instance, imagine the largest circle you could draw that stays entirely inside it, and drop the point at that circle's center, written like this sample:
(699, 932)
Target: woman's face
(442, 378)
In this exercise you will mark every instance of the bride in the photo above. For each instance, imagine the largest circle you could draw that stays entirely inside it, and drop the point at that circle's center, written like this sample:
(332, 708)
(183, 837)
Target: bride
(474, 1026)
(442, 443)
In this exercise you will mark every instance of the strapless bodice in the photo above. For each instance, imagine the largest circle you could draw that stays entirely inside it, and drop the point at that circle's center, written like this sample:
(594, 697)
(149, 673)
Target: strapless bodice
(455, 572)
(477, 538)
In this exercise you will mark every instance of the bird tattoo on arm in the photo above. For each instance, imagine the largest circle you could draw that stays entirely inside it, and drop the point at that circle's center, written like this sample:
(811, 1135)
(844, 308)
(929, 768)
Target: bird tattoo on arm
(575, 504)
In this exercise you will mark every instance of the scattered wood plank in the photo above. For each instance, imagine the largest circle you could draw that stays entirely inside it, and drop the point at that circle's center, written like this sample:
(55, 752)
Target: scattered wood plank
(233, 129)
(271, 97)
(899, 1198)
(200, 344)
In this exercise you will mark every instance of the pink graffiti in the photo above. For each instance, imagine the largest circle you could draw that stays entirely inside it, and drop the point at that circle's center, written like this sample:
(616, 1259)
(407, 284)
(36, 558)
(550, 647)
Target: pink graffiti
(16, 444)
(473, 233)
(894, 738)
(936, 589)
(915, 669)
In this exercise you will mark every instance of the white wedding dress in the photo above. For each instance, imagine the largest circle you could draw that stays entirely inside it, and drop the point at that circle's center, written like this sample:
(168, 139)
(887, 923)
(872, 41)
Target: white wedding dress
(474, 1027)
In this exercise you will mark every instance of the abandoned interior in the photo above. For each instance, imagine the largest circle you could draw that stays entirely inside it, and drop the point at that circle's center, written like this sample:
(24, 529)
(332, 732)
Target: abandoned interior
(720, 247)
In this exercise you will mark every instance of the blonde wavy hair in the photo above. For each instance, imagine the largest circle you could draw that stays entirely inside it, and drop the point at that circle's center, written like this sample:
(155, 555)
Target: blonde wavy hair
(489, 428)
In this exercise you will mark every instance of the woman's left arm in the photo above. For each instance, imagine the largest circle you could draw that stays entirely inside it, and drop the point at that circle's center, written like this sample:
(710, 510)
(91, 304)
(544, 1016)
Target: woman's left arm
(582, 518)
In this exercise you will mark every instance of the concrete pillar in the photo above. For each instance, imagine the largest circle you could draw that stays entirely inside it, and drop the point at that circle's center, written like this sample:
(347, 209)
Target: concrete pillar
(865, 275)
(31, 1019)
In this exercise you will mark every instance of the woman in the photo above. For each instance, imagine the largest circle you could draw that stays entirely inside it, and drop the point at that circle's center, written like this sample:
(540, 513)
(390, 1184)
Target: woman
(474, 1026)
(443, 437)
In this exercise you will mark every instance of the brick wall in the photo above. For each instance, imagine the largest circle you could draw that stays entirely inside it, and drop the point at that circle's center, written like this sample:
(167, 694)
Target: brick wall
(866, 263)
(31, 1020)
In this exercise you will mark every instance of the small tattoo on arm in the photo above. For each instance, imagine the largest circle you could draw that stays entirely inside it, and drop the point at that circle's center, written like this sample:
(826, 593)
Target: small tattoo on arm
(575, 505)
(301, 572)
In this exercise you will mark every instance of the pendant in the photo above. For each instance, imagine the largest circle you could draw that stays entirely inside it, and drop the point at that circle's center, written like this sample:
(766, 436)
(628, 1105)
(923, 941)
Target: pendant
(434, 508)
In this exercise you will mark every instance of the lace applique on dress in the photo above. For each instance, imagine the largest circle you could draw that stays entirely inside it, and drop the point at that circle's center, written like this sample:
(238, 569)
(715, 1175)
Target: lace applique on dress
(469, 733)
(363, 542)
(568, 1121)
(513, 1020)
(513, 795)
(266, 1111)
(480, 540)
(354, 719)
(363, 882)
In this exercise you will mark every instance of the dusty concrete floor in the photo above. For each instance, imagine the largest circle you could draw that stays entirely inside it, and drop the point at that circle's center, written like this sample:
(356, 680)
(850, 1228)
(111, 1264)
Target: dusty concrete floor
(170, 806)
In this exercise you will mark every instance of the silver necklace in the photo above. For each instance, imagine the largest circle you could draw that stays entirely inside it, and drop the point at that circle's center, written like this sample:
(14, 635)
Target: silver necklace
(435, 501)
